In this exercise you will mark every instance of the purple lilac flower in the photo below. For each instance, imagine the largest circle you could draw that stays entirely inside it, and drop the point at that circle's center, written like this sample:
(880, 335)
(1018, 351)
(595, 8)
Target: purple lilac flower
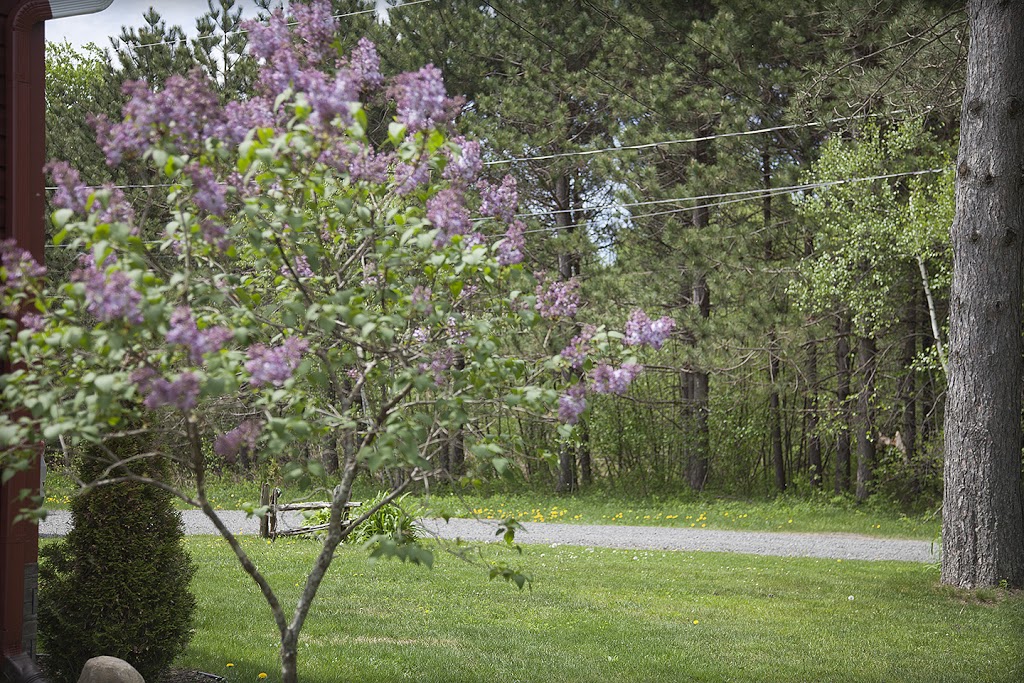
(108, 297)
(301, 266)
(464, 164)
(71, 192)
(19, 266)
(421, 335)
(245, 435)
(74, 195)
(439, 363)
(365, 64)
(578, 349)
(421, 98)
(315, 27)
(275, 365)
(608, 380)
(454, 334)
(446, 213)
(213, 232)
(184, 331)
(186, 108)
(241, 117)
(499, 201)
(208, 194)
(408, 178)
(420, 296)
(510, 249)
(182, 393)
(558, 299)
(268, 38)
(571, 404)
(642, 331)
(370, 167)
(33, 321)
(331, 98)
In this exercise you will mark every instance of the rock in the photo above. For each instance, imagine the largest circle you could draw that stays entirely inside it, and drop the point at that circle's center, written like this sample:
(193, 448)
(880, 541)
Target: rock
(109, 670)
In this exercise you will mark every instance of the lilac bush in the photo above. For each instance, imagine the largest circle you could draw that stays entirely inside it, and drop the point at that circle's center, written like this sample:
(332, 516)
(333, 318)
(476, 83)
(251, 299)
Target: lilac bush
(308, 285)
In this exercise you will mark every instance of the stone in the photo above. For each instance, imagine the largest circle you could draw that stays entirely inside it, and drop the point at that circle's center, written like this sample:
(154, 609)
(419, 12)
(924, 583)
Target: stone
(109, 670)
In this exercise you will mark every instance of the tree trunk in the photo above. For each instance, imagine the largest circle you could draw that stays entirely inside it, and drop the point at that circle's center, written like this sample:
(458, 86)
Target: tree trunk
(586, 467)
(842, 478)
(813, 440)
(908, 385)
(697, 473)
(775, 416)
(865, 416)
(983, 520)
(568, 266)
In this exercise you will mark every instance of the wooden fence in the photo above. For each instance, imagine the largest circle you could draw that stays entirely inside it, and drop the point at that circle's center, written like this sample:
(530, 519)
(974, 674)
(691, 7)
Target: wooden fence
(268, 523)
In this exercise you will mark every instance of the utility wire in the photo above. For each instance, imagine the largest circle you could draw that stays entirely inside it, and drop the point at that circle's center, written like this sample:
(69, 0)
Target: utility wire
(733, 197)
(678, 141)
(243, 31)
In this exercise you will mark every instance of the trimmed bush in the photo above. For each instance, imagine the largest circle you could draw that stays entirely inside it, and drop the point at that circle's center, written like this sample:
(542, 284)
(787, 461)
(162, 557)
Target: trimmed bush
(118, 583)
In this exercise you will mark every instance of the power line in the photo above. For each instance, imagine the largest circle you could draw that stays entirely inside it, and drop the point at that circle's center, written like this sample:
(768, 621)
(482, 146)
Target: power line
(243, 31)
(702, 138)
(734, 197)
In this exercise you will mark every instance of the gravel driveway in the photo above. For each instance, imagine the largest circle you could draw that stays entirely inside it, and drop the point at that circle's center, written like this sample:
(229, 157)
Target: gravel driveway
(836, 546)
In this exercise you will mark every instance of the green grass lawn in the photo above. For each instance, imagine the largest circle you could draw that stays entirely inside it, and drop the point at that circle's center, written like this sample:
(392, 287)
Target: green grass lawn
(793, 514)
(606, 615)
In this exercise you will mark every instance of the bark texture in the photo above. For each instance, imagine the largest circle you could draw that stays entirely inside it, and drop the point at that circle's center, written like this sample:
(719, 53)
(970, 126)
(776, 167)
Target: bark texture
(983, 521)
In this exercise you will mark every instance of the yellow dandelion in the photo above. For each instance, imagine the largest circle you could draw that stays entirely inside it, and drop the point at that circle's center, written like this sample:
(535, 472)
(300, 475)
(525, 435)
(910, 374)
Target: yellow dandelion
(262, 675)
(230, 665)
(696, 621)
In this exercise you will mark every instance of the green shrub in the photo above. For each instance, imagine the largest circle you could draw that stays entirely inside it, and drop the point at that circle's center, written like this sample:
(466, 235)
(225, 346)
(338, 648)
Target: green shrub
(392, 520)
(118, 583)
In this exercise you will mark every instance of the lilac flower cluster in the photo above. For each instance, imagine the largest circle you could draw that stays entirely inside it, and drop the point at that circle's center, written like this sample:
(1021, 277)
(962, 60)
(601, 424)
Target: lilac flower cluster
(241, 117)
(274, 365)
(510, 249)
(315, 28)
(73, 194)
(421, 98)
(71, 191)
(361, 162)
(208, 194)
(499, 201)
(408, 178)
(440, 362)
(578, 349)
(608, 380)
(642, 331)
(187, 109)
(182, 393)
(558, 299)
(446, 213)
(184, 331)
(18, 266)
(245, 435)
(454, 335)
(364, 63)
(301, 266)
(420, 296)
(108, 297)
(571, 404)
(463, 165)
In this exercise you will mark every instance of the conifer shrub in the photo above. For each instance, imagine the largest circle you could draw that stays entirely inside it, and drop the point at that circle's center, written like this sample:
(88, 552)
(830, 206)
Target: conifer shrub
(118, 584)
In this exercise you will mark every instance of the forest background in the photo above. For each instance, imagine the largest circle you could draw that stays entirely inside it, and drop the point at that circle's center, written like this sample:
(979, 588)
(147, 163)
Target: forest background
(776, 177)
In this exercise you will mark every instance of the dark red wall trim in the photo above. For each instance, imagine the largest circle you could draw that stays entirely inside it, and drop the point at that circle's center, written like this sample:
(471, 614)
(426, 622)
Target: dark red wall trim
(22, 154)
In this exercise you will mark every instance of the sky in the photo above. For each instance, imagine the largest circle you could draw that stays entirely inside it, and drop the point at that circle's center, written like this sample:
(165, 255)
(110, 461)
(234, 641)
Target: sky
(99, 26)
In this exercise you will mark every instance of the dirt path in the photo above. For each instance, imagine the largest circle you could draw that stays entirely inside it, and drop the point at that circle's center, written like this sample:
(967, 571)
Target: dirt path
(837, 546)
